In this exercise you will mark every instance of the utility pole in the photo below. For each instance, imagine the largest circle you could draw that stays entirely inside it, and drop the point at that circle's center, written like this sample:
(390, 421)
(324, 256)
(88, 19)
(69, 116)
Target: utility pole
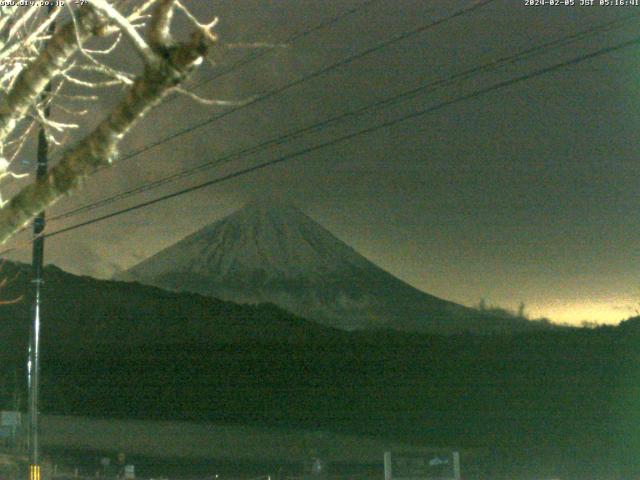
(34, 347)
(33, 366)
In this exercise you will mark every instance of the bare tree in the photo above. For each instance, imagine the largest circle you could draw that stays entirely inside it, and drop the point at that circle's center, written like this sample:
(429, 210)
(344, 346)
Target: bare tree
(31, 57)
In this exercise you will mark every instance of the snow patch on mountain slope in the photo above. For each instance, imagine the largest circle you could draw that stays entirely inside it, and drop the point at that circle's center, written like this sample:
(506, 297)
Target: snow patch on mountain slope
(279, 241)
(269, 252)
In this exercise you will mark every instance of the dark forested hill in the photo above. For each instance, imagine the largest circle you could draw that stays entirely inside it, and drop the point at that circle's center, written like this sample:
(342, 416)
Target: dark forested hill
(112, 352)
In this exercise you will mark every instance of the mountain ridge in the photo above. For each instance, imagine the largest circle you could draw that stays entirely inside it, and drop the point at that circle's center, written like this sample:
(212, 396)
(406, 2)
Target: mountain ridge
(273, 252)
(81, 314)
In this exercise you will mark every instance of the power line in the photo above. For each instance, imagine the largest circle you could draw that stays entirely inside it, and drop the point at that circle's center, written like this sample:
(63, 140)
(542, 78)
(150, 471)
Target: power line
(282, 89)
(315, 74)
(269, 94)
(413, 115)
(422, 89)
(291, 39)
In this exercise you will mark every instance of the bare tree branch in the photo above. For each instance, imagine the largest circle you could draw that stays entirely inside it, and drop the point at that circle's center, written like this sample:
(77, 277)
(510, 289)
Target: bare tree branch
(144, 50)
(163, 72)
(160, 26)
(31, 82)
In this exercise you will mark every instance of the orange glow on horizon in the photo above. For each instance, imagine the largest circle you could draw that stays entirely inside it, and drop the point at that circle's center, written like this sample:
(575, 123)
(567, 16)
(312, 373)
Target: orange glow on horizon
(601, 312)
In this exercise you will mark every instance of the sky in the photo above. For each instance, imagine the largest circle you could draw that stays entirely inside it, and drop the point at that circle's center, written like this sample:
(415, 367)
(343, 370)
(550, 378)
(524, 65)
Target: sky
(527, 193)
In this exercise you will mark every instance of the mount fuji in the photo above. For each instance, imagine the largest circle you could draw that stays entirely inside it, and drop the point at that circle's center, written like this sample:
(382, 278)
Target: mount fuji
(275, 253)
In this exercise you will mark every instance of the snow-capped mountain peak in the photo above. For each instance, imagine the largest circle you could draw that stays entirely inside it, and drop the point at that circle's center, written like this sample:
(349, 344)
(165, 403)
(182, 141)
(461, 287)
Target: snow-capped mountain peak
(273, 252)
(276, 239)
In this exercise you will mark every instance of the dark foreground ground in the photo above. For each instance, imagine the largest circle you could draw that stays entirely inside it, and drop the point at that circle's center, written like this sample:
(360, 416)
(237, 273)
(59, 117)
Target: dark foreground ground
(184, 450)
(562, 403)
